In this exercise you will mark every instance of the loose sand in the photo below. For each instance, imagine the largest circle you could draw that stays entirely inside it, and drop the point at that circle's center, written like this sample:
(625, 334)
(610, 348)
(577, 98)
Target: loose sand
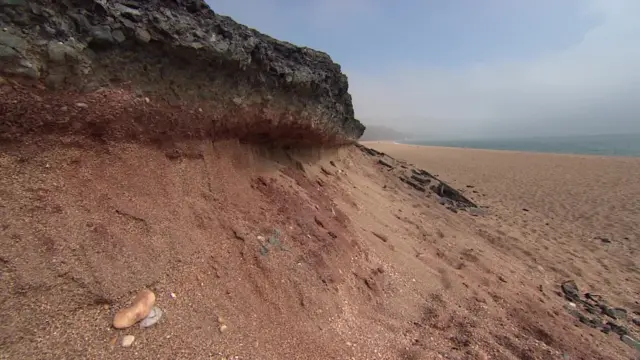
(361, 266)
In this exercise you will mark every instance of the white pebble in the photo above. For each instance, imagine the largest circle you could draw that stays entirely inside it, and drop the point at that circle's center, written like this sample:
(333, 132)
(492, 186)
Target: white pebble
(173, 295)
(128, 340)
(82, 105)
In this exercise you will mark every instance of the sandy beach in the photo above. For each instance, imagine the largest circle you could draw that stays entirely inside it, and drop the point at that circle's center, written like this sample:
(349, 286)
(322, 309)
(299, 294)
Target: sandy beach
(559, 205)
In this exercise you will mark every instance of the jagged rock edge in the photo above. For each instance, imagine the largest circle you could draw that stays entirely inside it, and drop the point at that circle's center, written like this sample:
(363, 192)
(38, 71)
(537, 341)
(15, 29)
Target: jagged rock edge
(454, 198)
(184, 58)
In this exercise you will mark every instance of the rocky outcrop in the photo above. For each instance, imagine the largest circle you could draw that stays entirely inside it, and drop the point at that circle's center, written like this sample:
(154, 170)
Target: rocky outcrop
(186, 72)
(420, 180)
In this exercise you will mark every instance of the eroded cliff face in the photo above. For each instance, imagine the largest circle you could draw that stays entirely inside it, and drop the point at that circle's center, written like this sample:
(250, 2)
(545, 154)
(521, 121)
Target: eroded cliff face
(162, 68)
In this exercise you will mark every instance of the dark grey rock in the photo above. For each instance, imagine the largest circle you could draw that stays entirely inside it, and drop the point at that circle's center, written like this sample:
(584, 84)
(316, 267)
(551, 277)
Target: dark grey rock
(630, 341)
(7, 52)
(143, 35)
(413, 184)
(54, 81)
(80, 20)
(102, 34)
(419, 179)
(614, 313)
(125, 10)
(57, 52)
(311, 103)
(384, 163)
(12, 41)
(570, 290)
(118, 36)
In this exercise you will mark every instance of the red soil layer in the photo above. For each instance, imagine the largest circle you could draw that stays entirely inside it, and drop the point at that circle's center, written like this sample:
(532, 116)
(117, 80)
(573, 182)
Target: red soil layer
(119, 114)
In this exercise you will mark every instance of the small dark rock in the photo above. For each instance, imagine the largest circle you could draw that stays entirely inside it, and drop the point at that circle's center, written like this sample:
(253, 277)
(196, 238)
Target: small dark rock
(501, 278)
(617, 329)
(332, 163)
(384, 163)
(325, 171)
(102, 34)
(614, 313)
(570, 290)
(239, 233)
(412, 184)
(118, 36)
(525, 209)
(81, 21)
(420, 179)
(382, 237)
(54, 81)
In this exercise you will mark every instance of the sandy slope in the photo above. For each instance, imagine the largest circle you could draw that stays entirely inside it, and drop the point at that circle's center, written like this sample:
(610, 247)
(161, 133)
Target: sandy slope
(364, 267)
(545, 213)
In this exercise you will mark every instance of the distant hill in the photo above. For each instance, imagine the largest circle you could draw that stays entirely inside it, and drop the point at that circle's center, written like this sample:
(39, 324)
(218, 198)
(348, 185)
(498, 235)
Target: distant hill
(379, 133)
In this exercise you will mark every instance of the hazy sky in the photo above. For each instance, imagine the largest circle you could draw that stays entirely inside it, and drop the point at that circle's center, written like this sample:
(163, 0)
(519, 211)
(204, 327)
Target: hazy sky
(473, 68)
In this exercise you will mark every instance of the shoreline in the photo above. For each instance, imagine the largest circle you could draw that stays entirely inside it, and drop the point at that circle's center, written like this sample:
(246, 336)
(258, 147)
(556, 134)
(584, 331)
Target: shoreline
(530, 152)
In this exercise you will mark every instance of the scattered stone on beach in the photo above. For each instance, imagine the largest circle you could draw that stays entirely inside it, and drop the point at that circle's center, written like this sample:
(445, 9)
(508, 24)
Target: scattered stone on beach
(382, 237)
(384, 163)
(630, 341)
(139, 309)
(412, 184)
(614, 313)
(570, 290)
(154, 316)
(595, 305)
(604, 239)
(128, 340)
(325, 171)
(476, 211)
(419, 179)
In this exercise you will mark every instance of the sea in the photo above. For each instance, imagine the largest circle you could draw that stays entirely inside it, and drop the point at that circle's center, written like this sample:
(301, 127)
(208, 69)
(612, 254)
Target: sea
(604, 145)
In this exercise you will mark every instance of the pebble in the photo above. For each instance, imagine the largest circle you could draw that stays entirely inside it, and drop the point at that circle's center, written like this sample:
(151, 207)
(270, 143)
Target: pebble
(630, 341)
(173, 295)
(82, 105)
(154, 316)
(223, 328)
(128, 340)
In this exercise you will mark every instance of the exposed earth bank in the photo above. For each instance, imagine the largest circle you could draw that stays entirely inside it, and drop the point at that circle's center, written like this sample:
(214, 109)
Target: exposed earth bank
(157, 145)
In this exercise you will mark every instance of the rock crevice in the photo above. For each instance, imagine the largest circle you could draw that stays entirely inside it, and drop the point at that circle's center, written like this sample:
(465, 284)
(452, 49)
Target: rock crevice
(176, 56)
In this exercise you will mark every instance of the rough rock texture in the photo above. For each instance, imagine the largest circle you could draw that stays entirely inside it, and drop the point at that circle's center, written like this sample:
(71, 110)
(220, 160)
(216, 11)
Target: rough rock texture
(177, 55)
